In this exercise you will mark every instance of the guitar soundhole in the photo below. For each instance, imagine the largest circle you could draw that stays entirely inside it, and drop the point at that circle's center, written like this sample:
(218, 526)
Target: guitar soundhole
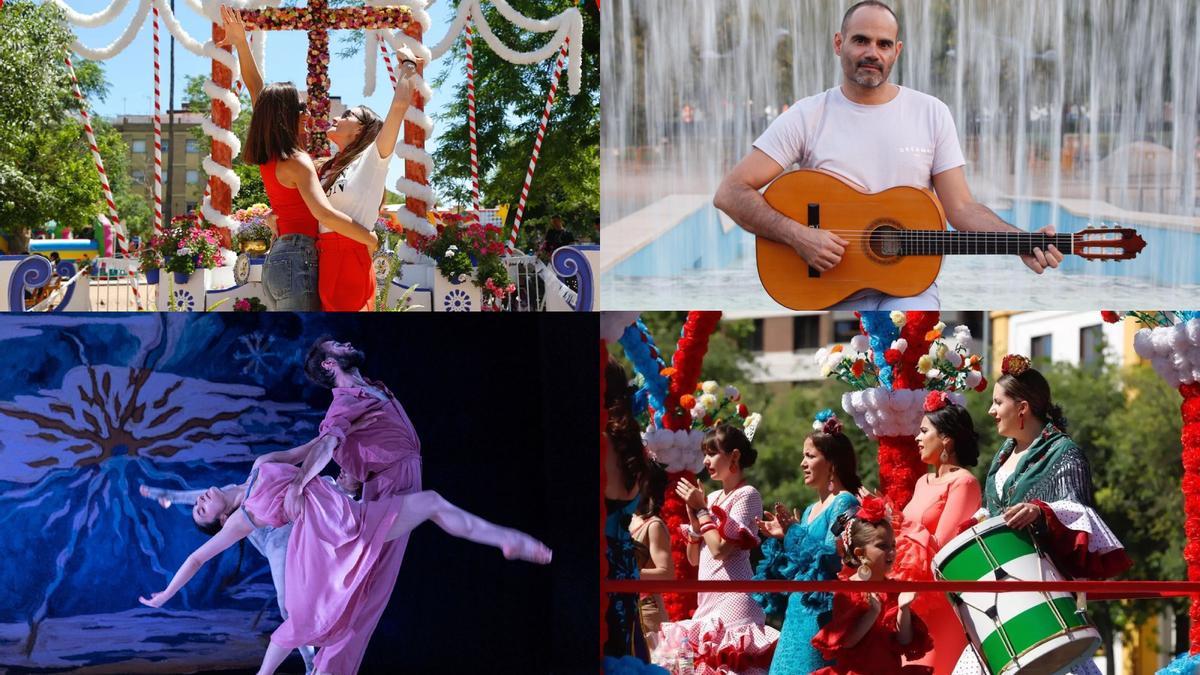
(885, 242)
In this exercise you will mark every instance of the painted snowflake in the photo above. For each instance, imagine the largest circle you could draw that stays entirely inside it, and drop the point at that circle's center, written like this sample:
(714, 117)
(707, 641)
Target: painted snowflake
(259, 352)
(457, 300)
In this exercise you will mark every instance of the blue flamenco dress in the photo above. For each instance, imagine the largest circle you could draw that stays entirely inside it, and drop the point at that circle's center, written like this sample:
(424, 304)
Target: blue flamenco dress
(807, 552)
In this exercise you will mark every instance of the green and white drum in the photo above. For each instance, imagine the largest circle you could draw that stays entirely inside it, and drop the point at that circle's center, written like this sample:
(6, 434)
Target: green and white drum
(1020, 632)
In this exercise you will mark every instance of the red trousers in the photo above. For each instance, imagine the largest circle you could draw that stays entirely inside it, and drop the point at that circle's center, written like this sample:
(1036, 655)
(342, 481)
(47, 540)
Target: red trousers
(347, 282)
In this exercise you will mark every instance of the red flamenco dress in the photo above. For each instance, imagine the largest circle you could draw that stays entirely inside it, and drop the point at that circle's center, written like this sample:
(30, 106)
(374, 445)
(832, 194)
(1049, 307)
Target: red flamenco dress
(879, 652)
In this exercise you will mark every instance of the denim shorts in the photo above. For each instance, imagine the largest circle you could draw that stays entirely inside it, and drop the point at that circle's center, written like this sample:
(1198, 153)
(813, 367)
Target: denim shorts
(290, 274)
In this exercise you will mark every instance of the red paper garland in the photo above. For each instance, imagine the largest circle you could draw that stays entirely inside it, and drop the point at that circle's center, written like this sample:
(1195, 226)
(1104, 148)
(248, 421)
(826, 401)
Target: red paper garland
(1191, 499)
(900, 464)
(686, 363)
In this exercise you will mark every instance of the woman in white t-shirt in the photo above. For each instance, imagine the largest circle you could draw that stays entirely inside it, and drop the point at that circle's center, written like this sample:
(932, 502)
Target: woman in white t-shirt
(354, 180)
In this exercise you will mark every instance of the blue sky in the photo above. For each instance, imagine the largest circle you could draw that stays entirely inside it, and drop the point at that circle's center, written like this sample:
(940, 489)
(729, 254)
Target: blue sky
(131, 72)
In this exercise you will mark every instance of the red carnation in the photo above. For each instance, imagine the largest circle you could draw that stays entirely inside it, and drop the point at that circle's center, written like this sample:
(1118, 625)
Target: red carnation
(1110, 317)
(743, 410)
(936, 400)
(892, 356)
(708, 420)
(873, 510)
(982, 384)
(857, 368)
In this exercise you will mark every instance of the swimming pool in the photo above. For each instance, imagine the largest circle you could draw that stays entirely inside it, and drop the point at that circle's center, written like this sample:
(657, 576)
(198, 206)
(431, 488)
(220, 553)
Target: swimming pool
(683, 267)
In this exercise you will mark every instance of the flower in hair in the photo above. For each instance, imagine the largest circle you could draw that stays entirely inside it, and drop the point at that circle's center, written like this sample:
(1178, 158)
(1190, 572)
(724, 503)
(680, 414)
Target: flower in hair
(873, 510)
(1014, 364)
(827, 422)
(936, 400)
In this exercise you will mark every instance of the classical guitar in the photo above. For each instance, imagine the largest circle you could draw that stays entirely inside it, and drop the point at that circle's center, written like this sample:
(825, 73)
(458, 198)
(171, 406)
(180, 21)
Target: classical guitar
(897, 240)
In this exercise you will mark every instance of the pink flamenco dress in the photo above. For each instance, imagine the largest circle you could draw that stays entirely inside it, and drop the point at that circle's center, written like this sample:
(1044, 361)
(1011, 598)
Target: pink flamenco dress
(938, 511)
(879, 652)
(727, 633)
(331, 556)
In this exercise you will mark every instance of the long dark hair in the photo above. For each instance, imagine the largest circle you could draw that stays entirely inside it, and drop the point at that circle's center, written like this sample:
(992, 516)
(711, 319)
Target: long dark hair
(274, 125)
(954, 422)
(1031, 386)
(653, 490)
(331, 169)
(625, 441)
(839, 451)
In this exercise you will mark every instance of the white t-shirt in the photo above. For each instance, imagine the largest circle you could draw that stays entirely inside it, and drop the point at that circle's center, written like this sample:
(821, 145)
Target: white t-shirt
(905, 141)
(358, 192)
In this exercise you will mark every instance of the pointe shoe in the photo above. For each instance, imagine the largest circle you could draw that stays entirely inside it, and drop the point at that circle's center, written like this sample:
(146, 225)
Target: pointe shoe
(527, 548)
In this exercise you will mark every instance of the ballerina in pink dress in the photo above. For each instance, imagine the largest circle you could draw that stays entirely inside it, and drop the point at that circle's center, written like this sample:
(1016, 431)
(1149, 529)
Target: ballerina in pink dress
(332, 551)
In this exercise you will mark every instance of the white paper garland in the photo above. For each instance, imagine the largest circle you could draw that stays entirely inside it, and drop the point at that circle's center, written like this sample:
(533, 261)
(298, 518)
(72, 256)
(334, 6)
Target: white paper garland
(1173, 351)
(879, 411)
(678, 450)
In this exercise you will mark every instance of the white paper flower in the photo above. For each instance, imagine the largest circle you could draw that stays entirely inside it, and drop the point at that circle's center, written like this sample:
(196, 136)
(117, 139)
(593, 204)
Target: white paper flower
(860, 343)
(699, 411)
(900, 345)
(973, 378)
(709, 387)
(934, 374)
(940, 326)
(709, 401)
(821, 355)
(954, 358)
(732, 392)
(898, 318)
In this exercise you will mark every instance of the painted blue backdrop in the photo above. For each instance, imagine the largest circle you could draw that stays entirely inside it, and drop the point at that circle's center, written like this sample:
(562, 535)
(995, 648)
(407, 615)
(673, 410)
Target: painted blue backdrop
(92, 406)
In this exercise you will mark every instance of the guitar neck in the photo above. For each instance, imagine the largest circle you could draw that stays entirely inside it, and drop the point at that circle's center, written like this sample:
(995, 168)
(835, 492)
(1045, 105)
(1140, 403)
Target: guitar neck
(939, 242)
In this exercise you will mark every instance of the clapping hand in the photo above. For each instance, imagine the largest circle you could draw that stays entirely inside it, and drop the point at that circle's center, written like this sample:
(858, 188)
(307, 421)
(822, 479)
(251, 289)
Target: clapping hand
(692, 495)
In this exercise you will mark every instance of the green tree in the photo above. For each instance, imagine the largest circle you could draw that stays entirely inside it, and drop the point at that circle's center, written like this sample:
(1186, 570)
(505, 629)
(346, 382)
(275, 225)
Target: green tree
(509, 103)
(194, 99)
(46, 169)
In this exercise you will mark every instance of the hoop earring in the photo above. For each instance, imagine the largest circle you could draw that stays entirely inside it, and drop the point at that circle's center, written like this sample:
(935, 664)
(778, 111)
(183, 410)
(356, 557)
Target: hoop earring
(863, 571)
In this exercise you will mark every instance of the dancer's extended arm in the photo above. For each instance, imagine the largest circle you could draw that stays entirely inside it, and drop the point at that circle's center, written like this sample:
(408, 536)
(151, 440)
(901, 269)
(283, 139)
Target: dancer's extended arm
(385, 142)
(235, 36)
(292, 456)
(236, 528)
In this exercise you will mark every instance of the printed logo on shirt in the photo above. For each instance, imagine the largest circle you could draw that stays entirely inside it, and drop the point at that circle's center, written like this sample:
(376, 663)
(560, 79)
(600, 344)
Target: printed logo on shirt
(915, 150)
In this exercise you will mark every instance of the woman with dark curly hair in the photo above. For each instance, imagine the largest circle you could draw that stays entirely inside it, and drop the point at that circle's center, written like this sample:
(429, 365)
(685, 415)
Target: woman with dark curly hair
(801, 547)
(942, 500)
(1041, 479)
(625, 465)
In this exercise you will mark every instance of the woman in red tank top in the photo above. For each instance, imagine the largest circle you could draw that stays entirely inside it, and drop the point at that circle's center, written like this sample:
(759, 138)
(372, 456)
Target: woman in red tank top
(273, 142)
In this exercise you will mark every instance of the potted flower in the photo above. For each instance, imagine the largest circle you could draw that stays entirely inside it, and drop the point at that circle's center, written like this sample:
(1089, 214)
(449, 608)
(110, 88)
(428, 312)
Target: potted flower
(189, 245)
(150, 259)
(249, 305)
(253, 234)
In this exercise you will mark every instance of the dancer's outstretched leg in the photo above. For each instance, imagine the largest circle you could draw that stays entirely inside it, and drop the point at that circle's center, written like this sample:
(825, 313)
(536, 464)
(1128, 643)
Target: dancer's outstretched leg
(418, 507)
(271, 660)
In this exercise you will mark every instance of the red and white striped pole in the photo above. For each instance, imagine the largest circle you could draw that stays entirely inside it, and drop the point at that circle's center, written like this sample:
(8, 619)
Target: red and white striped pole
(118, 228)
(471, 117)
(388, 60)
(158, 177)
(537, 145)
